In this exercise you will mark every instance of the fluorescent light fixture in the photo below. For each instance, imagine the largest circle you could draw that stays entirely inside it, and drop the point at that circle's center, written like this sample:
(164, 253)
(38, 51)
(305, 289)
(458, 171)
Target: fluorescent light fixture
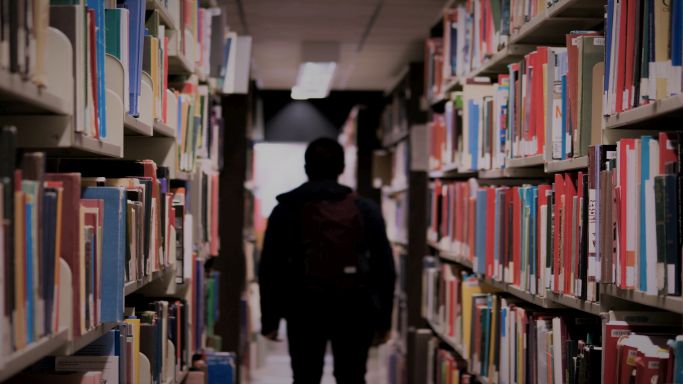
(314, 80)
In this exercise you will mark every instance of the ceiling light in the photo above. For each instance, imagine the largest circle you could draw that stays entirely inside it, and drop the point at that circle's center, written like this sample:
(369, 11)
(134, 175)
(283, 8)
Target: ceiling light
(314, 80)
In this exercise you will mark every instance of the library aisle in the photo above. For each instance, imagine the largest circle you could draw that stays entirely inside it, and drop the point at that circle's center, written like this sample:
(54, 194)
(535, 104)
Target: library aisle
(525, 158)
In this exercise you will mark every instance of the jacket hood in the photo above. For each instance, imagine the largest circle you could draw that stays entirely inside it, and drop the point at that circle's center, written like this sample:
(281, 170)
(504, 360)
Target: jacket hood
(315, 190)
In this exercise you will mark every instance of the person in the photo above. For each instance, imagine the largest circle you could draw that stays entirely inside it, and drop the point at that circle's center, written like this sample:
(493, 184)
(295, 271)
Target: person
(327, 269)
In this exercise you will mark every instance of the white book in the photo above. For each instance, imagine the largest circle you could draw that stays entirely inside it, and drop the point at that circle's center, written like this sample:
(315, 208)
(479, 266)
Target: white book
(631, 215)
(541, 350)
(557, 350)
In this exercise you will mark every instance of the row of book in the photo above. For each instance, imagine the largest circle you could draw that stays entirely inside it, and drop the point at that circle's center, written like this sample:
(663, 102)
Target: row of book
(150, 345)
(112, 222)
(24, 25)
(616, 223)
(547, 105)
(643, 53)
(505, 340)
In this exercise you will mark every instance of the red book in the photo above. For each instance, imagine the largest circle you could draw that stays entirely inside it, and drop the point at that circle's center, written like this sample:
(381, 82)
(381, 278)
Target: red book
(626, 257)
(472, 210)
(70, 236)
(577, 229)
(507, 248)
(516, 236)
(667, 152)
(569, 223)
(630, 6)
(621, 56)
(649, 369)
(558, 187)
(459, 208)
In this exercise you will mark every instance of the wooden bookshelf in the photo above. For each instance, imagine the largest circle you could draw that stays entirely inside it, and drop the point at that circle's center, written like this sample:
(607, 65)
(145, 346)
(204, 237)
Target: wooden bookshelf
(161, 129)
(551, 25)
(667, 303)
(18, 96)
(521, 162)
(19, 360)
(512, 173)
(133, 126)
(649, 115)
(592, 308)
(543, 302)
(85, 339)
(394, 137)
(88, 146)
(164, 15)
(572, 164)
(180, 65)
(498, 63)
(134, 286)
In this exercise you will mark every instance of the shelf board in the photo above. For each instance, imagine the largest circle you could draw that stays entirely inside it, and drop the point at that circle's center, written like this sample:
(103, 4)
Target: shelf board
(179, 65)
(133, 286)
(576, 303)
(498, 63)
(450, 171)
(19, 360)
(164, 15)
(551, 25)
(522, 162)
(455, 258)
(182, 175)
(543, 302)
(20, 97)
(512, 173)
(161, 129)
(394, 190)
(448, 341)
(669, 110)
(85, 339)
(393, 138)
(668, 303)
(567, 165)
(133, 126)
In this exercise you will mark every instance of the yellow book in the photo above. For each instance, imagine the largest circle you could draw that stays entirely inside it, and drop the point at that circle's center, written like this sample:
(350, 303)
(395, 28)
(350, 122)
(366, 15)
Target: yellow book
(470, 287)
(134, 332)
(662, 14)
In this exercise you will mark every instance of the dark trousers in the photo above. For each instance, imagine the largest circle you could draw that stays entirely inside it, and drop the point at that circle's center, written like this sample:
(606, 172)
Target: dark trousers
(345, 322)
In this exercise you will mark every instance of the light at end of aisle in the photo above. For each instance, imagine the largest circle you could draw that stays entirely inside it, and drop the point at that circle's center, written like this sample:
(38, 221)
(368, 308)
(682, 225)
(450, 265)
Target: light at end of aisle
(314, 80)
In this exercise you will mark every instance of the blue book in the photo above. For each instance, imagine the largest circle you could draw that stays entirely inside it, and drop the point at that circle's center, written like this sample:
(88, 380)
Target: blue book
(533, 195)
(220, 368)
(608, 44)
(480, 244)
(136, 36)
(565, 111)
(29, 271)
(676, 33)
(474, 133)
(642, 224)
(113, 249)
(500, 194)
(48, 253)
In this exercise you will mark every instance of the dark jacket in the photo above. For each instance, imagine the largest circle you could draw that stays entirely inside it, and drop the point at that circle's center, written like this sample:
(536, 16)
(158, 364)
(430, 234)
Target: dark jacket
(279, 278)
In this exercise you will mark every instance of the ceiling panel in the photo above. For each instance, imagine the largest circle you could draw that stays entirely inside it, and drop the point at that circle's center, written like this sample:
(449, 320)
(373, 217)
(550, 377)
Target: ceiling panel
(279, 27)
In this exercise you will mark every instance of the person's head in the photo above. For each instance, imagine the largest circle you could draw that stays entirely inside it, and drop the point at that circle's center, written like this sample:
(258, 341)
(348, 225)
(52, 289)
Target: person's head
(324, 160)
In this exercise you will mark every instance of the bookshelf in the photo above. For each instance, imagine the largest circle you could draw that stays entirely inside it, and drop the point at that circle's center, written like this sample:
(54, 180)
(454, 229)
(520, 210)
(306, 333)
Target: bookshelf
(133, 126)
(19, 360)
(92, 151)
(523, 152)
(17, 95)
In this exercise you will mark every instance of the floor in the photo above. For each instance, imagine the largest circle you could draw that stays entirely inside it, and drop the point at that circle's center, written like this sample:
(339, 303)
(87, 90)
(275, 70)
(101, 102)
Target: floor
(276, 369)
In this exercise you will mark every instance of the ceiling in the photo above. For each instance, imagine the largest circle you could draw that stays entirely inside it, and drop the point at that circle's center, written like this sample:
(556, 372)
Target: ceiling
(279, 27)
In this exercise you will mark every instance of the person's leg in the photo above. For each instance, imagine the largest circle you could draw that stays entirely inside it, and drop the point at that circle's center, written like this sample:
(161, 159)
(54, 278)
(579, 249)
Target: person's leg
(307, 343)
(351, 337)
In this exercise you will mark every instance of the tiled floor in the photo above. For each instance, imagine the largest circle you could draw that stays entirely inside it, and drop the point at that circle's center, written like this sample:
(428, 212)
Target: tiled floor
(276, 369)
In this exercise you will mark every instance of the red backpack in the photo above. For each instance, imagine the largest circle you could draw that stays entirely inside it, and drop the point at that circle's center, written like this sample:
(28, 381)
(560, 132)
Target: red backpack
(333, 242)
